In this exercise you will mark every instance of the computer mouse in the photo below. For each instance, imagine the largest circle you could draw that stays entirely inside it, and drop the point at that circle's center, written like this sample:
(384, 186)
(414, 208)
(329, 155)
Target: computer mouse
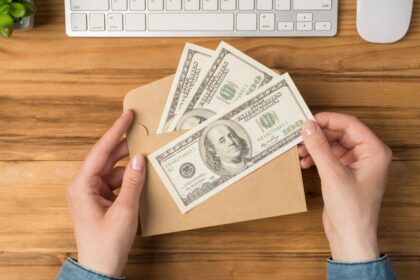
(383, 21)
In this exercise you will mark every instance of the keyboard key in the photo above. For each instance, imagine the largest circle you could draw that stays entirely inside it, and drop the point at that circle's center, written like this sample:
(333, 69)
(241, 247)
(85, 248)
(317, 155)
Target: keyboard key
(266, 22)
(304, 17)
(304, 26)
(78, 22)
(191, 22)
(282, 5)
(285, 25)
(119, 5)
(265, 5)
(96, 22)
(228, 5)
(246, 22)
(173, 5)
(137, 5)
(135, 22)
(323, 25)
(192, 5)
(312, 5)
(155, 5)
(89, 5)
(246, 5)
(210, 5)
(115, 22)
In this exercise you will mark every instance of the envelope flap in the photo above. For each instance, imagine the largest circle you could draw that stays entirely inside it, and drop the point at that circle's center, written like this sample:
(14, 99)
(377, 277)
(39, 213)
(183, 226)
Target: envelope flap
(147, 103)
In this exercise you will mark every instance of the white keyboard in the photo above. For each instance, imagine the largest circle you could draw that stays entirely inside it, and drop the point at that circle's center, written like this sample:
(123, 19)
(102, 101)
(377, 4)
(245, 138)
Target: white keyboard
(200, 18)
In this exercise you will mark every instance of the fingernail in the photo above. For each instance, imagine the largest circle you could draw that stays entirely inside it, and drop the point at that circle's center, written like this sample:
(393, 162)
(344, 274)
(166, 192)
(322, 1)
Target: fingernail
(137, 163)
(309, 128)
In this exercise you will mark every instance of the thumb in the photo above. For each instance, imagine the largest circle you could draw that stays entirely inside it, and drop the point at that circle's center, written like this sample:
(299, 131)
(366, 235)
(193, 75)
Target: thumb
(318, 147)
(132, 183)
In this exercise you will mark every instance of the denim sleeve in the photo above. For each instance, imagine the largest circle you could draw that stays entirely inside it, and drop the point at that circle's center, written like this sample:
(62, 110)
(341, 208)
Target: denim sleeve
(71, 270)
(379, 269)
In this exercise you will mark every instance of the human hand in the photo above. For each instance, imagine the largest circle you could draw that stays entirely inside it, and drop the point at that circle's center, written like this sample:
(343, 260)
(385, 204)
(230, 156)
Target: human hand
(105, 225)
(352, 163)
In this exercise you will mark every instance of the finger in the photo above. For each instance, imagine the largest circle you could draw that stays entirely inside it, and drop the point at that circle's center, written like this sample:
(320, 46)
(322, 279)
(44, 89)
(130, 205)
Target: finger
(119, 152)
(332, 135)
(332, 138)
(306, 162)
(338, 149)
(99, 154)
(353, 130)
(320, 150)
(334, 121)
(106, 193)
(302, 151)
(344, 155)
(348, 158)
(132, 184)
(115, 177)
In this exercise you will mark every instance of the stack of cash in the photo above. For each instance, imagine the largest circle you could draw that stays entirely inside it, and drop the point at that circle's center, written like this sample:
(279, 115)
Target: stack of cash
(238, 115)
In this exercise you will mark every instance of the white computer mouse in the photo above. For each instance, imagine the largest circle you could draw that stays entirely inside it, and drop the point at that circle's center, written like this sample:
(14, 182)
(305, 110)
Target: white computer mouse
(383, 21)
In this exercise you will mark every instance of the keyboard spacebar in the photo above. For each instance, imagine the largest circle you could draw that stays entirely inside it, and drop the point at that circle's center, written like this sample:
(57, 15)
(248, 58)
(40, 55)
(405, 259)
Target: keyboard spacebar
(191, 22)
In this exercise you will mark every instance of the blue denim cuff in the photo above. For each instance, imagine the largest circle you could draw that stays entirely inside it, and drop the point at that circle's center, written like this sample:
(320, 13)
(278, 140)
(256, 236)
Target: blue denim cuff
(378, 269)
(72, 270)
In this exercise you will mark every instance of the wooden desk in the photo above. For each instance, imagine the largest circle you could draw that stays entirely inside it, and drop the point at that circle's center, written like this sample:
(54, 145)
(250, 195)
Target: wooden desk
(59, 94)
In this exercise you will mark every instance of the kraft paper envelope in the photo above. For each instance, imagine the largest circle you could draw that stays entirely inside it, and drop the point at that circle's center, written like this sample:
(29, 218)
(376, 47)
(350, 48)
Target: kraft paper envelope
(274, 189)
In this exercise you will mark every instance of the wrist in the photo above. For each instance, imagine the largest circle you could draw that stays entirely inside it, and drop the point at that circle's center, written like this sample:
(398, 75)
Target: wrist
(354, 247)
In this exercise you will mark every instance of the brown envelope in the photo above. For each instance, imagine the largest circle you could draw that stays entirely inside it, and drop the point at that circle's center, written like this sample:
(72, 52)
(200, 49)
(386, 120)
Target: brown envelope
(274, 189)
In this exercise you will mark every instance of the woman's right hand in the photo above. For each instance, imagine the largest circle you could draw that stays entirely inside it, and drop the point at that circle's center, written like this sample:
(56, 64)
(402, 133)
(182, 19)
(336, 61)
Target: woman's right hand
(353, 165)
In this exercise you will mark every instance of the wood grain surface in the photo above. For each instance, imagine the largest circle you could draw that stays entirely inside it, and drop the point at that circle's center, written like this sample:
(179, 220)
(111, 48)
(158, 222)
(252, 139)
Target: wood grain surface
(59, 94)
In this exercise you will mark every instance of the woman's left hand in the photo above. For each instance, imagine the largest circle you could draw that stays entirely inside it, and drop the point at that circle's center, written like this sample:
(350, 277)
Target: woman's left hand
(105, 225)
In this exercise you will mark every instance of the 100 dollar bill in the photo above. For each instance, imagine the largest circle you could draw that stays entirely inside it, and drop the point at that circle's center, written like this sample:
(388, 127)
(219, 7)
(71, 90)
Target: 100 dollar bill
(231, 77)
(232, 144)
(191, 68)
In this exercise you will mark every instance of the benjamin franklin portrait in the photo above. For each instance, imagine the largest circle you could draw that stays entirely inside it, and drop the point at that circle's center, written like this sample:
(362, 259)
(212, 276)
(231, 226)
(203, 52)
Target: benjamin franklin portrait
(225, 146)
